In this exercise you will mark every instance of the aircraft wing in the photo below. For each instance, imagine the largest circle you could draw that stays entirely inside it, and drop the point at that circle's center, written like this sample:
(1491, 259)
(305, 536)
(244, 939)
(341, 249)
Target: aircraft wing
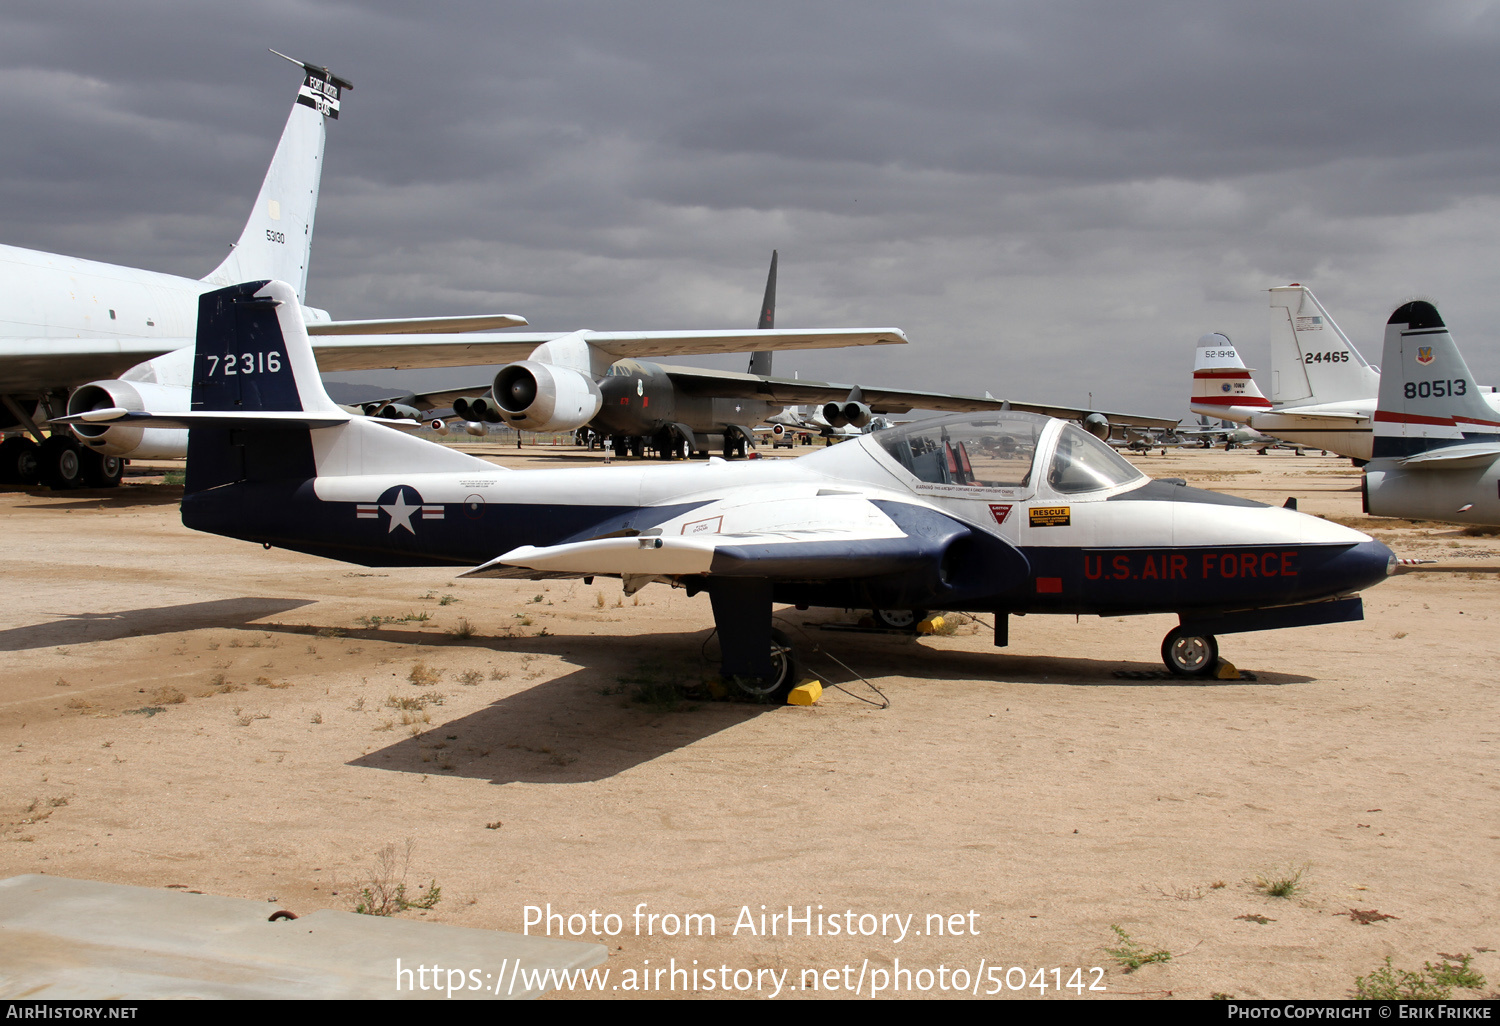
(35, 365)
(794, 391)
(417, 325)
(392, 352)
(777, 537)
(32, 365)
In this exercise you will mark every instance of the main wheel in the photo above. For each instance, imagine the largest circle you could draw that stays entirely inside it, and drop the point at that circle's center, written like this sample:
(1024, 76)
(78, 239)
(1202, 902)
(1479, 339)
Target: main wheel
(101, 471)
(18, 463)
(1190, 655)
(684, 448)
(898, 619)
(60, 459)
(783, 674)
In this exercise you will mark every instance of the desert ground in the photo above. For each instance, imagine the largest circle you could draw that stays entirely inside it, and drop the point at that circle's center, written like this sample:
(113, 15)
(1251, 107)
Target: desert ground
(185, 711)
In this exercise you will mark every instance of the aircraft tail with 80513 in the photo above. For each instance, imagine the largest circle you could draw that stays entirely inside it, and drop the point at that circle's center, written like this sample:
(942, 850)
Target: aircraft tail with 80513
(1428, 399)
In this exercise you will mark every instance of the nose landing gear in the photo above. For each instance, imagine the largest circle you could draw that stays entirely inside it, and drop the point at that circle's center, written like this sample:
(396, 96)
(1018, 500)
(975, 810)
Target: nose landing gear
(1189, 653)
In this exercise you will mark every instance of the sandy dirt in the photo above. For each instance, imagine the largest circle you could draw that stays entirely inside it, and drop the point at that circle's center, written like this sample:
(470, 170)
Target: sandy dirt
(180, 710)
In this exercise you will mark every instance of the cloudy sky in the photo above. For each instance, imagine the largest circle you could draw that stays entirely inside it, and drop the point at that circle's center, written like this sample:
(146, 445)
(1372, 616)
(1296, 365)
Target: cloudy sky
(1051, 198)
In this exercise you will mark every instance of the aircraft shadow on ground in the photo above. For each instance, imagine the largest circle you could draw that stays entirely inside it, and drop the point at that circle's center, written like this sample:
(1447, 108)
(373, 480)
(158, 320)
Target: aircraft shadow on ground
(589, 725)
(82, 628)
(127, 497)
(585, 725)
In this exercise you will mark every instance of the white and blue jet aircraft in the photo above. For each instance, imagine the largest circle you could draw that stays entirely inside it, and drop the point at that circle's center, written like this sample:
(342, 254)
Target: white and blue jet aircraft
(1000, 512)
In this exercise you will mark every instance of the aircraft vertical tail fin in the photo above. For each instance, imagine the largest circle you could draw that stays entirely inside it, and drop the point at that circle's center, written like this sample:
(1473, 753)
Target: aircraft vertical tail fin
(760, 360)
(1312, 360)
(277, 239)
(1428, 399)
(1222, 386)
(259, 411)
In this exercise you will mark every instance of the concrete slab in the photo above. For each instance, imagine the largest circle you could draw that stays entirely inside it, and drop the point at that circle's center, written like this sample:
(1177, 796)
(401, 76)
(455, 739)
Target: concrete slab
(71, 939)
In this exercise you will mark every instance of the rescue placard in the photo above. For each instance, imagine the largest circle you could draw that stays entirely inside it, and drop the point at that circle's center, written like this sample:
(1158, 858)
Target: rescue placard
(1051, 516)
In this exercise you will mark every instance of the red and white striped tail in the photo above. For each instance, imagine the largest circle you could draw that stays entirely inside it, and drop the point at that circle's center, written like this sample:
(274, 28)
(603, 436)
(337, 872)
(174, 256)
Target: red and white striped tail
(1221, 379)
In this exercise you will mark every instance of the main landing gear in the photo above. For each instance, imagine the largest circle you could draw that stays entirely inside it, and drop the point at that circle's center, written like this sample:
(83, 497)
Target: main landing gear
(898, 619)
(59, 462)
(783, 677)
(1189, 653)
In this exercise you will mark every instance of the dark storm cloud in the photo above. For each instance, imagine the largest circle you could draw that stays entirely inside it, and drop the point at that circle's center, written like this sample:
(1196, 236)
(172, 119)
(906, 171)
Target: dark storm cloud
(1052, 198)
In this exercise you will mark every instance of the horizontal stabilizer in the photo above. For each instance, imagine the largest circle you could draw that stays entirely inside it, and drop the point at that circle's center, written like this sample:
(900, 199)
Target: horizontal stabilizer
(210, 419)
(1453, 457)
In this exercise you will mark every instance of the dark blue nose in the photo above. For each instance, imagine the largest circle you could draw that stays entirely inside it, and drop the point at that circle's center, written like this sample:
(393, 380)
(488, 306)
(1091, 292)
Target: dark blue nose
(1356, 568)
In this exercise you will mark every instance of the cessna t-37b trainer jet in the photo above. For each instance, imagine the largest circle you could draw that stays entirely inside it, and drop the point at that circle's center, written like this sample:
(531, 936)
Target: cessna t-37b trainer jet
(1004, 512)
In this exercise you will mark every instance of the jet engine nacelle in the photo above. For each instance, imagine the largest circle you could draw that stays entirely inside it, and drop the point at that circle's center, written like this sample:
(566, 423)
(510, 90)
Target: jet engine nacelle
(857, 414)
(477, 411)
(1097, 424)
(145, 443)
(834, 414)
(477, 428)
(536, 396)
(439, 425)
(398, 411)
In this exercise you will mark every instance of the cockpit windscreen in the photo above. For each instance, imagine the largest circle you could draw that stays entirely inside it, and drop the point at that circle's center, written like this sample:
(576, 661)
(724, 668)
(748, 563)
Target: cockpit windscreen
(1082, 463)
(989, 450)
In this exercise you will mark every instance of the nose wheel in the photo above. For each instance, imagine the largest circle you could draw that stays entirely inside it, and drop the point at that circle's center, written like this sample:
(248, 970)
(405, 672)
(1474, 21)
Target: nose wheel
(1190, 654)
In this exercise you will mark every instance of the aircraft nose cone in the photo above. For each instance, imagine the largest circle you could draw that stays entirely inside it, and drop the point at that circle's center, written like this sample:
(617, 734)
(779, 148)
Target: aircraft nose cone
(1361, 566)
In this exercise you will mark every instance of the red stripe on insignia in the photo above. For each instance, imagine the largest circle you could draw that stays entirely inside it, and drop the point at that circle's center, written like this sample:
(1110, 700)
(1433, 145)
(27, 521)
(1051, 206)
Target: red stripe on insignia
(1242, 374)
(1049, 585)
(1392, 417)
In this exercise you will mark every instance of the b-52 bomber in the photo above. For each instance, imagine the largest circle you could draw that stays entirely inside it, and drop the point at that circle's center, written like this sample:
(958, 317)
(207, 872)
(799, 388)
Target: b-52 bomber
(936, 514)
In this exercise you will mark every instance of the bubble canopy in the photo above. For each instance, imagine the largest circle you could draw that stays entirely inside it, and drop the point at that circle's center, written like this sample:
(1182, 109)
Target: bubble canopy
(1001, 450)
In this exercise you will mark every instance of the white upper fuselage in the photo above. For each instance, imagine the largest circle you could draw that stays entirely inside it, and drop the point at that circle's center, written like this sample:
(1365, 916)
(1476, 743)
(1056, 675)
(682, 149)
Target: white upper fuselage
(832, 490)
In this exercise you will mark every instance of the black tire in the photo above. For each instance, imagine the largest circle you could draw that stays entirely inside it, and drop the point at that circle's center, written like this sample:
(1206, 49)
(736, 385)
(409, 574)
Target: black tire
(898, 619)
(783, 674)
(101, 471)
(638, 447)
(60, 460)
(1188, 654)
(18, 462)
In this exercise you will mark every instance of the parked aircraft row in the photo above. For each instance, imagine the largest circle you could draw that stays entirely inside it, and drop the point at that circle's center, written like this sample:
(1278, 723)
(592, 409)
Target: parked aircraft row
(77, 334)
(1323, 392)
(679, 411)
(1427, 433)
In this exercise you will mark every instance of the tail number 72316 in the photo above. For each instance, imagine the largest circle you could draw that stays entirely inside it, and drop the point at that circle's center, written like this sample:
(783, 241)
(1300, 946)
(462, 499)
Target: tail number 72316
(245, 363)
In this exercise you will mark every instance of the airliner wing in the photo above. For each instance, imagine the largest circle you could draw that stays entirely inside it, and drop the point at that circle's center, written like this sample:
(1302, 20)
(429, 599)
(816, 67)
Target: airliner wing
(417, 325)
(367, 352)
(793, 391)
